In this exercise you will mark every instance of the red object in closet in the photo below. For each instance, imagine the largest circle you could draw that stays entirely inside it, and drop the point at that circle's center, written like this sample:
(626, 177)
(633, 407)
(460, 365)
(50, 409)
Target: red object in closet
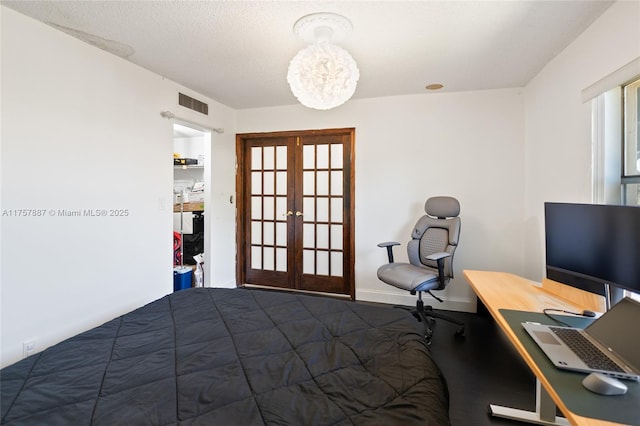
(177, 243)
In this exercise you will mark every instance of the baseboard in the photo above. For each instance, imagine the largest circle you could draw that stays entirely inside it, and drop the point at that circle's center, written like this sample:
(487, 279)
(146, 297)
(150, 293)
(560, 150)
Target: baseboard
(449, 304)
(228, 284)
(391, 298)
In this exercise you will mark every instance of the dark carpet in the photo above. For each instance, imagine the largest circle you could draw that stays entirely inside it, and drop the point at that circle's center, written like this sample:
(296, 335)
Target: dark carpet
(481, 369)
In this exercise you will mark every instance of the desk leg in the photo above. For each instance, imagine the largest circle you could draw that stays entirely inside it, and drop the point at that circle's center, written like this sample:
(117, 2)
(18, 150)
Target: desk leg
(545, 413)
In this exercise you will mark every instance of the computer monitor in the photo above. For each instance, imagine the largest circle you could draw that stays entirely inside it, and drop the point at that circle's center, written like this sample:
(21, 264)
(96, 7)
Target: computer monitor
(593, 246)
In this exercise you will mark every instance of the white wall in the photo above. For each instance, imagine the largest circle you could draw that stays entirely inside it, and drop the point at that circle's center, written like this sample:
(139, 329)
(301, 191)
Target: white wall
(558, 125)
(81, 129)
(408, 148)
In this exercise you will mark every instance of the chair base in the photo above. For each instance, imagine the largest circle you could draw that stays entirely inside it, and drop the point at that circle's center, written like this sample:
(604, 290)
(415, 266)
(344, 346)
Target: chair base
(427, 316)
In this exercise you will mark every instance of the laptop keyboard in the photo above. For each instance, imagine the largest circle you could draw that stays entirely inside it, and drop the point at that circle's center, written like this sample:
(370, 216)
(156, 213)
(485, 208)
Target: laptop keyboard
(586, 351)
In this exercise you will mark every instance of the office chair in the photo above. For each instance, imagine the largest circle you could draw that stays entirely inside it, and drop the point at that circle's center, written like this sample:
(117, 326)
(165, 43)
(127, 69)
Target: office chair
(433, 242)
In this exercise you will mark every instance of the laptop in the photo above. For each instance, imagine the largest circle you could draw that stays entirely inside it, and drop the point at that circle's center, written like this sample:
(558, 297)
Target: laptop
(609, 345)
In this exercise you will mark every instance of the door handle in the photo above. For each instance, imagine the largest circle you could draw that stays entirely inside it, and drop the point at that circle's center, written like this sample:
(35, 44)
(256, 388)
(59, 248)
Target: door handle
(298, 213)
(289, 213)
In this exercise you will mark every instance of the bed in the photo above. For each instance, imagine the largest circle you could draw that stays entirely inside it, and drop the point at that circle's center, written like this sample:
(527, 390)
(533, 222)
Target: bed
(234, 357)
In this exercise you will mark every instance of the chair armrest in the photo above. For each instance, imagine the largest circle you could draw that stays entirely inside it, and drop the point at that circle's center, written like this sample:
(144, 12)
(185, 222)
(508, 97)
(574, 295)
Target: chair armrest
(389, 246)
(389, 243)
(438, 256)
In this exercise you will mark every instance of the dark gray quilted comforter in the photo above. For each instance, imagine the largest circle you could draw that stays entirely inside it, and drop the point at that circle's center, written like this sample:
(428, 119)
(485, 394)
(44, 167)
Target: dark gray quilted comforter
(234, 357)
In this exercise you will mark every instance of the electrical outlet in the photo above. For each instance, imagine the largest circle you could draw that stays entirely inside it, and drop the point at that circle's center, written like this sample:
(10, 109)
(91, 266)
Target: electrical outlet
(28, 348)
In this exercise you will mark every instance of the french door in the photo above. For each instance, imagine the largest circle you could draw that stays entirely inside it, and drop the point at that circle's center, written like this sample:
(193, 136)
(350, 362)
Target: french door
(295, 210)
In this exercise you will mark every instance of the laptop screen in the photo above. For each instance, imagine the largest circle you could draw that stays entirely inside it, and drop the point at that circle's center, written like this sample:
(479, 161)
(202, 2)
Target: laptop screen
(619, 330)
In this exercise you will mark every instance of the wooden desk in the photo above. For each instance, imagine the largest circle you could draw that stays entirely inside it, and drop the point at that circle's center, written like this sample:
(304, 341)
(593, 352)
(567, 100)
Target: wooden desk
(500, 290)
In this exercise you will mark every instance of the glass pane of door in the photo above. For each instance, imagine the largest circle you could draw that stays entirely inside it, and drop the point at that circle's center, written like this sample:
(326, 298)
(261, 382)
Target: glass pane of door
(322, 175)
(268, 228)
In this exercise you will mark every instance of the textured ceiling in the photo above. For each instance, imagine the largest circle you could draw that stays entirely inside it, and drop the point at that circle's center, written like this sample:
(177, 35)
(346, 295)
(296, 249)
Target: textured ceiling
(237, 52)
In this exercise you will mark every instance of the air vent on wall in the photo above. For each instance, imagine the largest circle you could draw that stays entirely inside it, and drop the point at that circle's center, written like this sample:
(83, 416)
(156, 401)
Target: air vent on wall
(194, 104)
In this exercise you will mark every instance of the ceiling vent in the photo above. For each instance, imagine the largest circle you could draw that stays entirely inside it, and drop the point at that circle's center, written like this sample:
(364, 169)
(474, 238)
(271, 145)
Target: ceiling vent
(194, 104)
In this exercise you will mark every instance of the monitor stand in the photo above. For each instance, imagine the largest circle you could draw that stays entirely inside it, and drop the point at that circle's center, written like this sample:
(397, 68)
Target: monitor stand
(612, 295)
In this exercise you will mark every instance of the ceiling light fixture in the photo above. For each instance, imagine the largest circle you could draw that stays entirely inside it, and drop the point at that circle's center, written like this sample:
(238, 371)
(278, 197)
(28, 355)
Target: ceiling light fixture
(322, 75)
(435, 86)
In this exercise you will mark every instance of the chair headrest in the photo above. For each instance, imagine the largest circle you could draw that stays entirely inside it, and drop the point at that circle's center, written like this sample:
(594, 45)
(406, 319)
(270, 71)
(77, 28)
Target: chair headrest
(442, 207)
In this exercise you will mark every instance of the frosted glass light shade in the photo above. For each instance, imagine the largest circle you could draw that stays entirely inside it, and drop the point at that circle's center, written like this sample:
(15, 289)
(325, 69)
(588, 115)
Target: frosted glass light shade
(323, 76)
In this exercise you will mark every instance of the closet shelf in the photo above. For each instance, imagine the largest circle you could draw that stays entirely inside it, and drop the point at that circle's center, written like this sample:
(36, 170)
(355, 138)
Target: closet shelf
(194, 206)
(191, 166)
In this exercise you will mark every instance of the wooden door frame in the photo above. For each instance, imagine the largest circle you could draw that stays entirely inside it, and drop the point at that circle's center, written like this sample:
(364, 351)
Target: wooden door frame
(349, 274)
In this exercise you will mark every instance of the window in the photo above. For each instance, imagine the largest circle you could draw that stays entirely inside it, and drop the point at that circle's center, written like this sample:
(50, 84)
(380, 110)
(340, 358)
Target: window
(631, 144)
(616, 147)
(631, 149)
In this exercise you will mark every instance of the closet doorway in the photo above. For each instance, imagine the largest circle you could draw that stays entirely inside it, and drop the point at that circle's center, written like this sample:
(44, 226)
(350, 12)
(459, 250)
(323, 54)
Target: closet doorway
(191, 152)
(295, 220)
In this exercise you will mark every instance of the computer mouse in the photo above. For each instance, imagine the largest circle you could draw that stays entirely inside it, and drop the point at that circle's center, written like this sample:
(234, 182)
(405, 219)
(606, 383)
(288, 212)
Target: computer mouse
(588, 313)
(604, 385)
